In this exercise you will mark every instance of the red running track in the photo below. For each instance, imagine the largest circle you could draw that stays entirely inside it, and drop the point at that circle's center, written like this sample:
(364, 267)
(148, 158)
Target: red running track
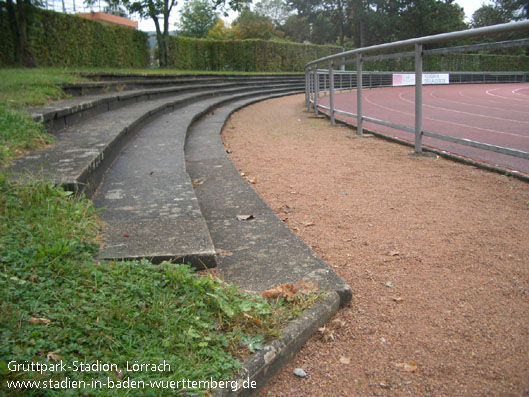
(496, 114)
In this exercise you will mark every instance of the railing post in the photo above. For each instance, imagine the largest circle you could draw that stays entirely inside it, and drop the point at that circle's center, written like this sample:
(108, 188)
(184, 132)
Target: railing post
(331, 91)
(307, 88)
(418, 98)
(316, 89)
(359, 83)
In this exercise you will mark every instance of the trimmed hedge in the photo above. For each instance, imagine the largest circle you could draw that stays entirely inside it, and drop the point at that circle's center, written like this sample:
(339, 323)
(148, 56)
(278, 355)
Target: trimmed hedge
(67, 40)
(243, 55)
(455, 63)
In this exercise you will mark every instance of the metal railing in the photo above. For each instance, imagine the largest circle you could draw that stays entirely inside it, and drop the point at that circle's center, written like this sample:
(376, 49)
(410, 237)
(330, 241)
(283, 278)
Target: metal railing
(356, 80)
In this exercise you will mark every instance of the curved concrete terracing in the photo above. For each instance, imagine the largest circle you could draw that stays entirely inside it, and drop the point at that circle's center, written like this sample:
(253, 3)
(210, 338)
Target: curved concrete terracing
(148, 152)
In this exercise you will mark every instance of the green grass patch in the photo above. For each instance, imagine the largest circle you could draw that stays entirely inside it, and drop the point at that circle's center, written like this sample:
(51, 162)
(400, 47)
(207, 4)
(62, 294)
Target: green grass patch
(19, 134)
(57, 303)
(21, 87)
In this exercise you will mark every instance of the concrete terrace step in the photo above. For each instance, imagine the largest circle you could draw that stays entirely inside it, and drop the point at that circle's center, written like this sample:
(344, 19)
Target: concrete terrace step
(83, 152)
(149, 205)
(65, 113)
(261, 245)
(188, 76)
(102, 87)
(259, 253)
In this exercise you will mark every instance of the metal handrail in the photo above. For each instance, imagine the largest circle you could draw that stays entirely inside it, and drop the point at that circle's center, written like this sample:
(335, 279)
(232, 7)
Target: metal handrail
(312, 80)
(438, 38)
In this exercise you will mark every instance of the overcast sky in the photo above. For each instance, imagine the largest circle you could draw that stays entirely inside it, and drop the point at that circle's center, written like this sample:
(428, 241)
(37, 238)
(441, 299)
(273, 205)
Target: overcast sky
(469, 5)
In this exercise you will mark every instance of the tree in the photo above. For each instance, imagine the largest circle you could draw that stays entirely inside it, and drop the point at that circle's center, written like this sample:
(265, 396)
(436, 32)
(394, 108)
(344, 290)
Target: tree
(161, 9)
(276, 10)
(487, 15)
(514, 9)
(18, 15)
(249, 25)
(296, 28)
(221, 32)
(197, 18)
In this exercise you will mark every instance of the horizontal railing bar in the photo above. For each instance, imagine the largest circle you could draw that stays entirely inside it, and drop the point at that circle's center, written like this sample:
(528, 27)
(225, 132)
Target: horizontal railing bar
(389, 124)
(389, 56)
(462, 34)
(478, 47)
(479, 145)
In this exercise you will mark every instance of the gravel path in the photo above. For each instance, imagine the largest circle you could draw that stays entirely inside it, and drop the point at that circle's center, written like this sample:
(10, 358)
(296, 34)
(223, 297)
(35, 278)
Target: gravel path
(437, 255)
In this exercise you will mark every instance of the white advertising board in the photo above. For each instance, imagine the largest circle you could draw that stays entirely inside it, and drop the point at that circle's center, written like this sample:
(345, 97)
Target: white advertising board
(427, 78)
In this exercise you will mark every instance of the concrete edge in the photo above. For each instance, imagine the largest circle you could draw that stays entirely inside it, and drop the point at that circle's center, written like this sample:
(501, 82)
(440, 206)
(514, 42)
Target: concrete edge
(263, 365)
(442, 153)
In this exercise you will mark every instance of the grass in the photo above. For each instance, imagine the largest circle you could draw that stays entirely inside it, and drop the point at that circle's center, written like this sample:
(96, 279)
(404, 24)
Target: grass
(59, 305)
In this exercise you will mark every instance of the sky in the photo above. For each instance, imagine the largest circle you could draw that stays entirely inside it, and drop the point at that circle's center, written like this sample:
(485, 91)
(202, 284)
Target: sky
(469, 6)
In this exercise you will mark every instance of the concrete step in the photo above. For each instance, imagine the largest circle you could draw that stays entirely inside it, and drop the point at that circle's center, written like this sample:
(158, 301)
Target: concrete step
(95, 76)
(259, 253)
(147, 198)
(102, 87)
(63, 114)
(84, 151)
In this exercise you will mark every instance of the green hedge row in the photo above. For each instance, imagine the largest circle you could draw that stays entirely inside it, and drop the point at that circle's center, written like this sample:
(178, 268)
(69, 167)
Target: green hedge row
(243, 55)
(60, 39)
(455, 63)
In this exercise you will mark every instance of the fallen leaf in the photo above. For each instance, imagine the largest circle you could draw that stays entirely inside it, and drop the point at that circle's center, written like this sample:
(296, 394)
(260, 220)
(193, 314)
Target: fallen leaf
(394, 253)
(39, 320)
(408, 367)
(197, 182)
(305, 287)
(398, 299)
(253, 181)
(345, 360)
(126, 235)
(307, 224)
(245, 217)
(283, 291)
(53, 356)
(152, 172)
(290, 290)
(33, 277)
(326, 334)
(255, 320)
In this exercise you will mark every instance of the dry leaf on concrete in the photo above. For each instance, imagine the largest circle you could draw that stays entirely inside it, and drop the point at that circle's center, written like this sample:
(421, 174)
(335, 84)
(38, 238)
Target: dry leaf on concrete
(290, 290)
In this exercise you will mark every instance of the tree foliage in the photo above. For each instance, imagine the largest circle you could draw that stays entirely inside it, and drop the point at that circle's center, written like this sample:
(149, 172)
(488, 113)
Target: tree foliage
(197, 18)
(161, 10)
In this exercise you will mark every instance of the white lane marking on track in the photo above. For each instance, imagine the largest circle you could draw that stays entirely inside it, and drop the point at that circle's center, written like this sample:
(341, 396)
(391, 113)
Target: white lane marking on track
(489, 92)
(444, 121)
(460, 111)
(515, 92)
(472, 104)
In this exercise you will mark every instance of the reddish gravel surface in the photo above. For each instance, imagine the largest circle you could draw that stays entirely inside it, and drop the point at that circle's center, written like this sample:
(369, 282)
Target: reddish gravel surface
(437, 255)
(496, 114)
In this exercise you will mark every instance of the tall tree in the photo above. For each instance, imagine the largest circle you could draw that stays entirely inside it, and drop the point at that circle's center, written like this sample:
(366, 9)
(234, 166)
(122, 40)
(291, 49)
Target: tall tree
(161, 9)
(276, 10)
(197, 18)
